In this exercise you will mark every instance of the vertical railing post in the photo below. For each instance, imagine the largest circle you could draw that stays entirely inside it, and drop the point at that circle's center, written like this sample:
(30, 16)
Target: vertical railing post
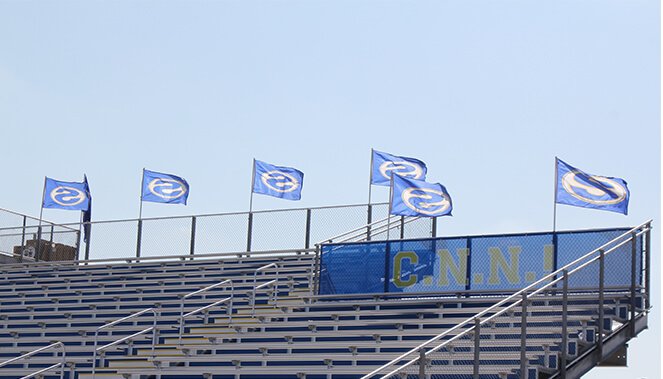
(87, 243)
(433, 231)
(402, 227)
(647, 265)
(139, 236)
(38, 252)
(633, 273)
(523, 338)
(601, 302)
(307, 242)
(565, 322)
(422, 363)
(368, 222)
(316, 270)
(23, 233)
(78, 244)
(249, 232)
(477, 348)
(50, 242)
(192, 246)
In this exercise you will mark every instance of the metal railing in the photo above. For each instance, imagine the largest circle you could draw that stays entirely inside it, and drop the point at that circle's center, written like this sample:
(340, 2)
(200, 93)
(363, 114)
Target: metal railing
(274, 284)
(228, 300)
(421, 355)
(99, 350)
(259, 230)
(60, 364)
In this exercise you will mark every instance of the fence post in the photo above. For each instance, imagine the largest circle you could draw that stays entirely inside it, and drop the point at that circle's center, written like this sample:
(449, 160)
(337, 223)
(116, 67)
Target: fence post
(249, 232)
(433, 231)
(368, 222)
(647, 264)
(78, 245)
(402, 227)
(523, 338)
(633, 273)
(601, 301)
(477, 348)
(87, 243)
(139, 236)
(192, 246)
(38, 252)
(23, 233)
(565, 334)
(422, 363)
(307, 242)
(316, 270)
(50, 241)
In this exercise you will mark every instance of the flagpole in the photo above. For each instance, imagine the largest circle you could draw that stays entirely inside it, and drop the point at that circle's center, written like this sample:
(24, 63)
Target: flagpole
(253, 178)
(370, 178)
(140, 211)
(555, 197)
(391, 195)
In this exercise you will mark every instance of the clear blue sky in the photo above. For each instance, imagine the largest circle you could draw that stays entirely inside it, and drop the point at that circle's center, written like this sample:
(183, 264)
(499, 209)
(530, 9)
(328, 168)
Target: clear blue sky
(487, 93)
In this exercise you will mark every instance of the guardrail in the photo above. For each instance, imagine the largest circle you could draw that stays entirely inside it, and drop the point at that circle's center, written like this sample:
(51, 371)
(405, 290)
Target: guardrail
(60, 364)
(99, 350)
(227, 300)
(470, 329)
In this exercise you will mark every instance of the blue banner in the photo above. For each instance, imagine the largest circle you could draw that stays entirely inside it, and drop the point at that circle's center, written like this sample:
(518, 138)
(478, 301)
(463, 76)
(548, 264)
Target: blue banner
(410, 197)
(277, 181)
(71, 196)
(384, 164)
(580, 189)
(164, 188)
(477, 263)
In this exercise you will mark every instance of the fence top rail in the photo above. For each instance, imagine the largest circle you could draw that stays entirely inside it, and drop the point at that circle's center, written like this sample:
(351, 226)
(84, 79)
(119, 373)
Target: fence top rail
(285, 210)
(182, 257)
(515, 297)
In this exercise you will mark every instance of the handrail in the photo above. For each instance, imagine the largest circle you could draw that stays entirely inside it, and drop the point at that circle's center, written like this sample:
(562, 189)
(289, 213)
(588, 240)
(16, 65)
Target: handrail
(224, 283)
(152, 329)
(36, 351)
(273, 297)
(512, 297)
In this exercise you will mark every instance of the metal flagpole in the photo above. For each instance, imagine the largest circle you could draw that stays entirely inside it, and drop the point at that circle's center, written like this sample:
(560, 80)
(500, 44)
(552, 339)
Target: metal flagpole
(370, 178)
(253, 178)
(391, 195)
(555, 202)
(140, 211)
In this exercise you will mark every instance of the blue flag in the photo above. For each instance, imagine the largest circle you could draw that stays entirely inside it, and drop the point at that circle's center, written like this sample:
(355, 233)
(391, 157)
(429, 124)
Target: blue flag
(164, 188)
(383, 164)
(580, 189)
(277, 181)
(72, 196)
(411, 197)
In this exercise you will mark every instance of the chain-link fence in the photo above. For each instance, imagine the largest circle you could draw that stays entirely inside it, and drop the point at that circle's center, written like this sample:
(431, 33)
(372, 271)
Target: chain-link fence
(229, 232)
(539, 329)
(48, 242)
(493, 263)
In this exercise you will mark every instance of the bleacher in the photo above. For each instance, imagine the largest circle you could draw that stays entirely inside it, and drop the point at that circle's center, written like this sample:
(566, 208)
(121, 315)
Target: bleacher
(258, 315)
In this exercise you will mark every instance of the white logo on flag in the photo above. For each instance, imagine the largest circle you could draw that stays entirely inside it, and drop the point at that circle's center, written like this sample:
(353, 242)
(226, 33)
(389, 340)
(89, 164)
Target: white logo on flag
(67, 196)
(279, 181)
(437, 202)
(167, 188)
(592, 194)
